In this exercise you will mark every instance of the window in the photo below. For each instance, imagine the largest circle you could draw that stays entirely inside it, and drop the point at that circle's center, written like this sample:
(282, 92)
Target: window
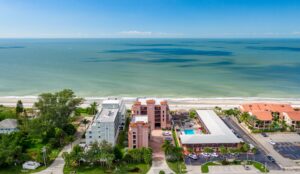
(90, 137)
(134, 146)
(134, 136)
(134, 141)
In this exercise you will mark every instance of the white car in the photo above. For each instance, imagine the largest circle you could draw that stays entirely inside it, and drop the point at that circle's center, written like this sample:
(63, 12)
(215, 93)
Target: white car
(166, 133)
(205, 154)
(193, 156)
(31, 165)
(214, 154)
(272, 142)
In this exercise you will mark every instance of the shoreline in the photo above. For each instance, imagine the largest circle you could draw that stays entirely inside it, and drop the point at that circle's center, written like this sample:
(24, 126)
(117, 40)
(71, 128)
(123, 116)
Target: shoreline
(174, 103)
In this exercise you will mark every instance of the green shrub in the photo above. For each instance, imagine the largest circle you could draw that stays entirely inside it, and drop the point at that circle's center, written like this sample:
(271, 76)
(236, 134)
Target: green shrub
(69, 129)
(225, 162)
(162, 172)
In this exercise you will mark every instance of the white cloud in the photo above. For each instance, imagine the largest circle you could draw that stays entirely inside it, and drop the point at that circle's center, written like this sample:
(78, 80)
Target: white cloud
(135, 32)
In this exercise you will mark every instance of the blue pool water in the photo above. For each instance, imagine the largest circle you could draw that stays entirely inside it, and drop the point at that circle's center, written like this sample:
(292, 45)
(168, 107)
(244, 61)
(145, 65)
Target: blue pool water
(189, 132)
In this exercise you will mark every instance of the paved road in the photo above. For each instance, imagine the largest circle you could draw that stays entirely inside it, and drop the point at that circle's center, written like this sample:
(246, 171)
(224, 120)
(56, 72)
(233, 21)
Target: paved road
(261, 156)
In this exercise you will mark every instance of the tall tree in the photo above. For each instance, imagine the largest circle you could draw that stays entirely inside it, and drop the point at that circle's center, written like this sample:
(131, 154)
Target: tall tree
(93, 108)
(19, 107)
(56, 108)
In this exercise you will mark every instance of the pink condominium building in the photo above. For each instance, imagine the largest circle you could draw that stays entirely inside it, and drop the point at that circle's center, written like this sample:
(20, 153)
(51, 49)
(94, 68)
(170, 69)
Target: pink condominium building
(158, 113)
(138, 133)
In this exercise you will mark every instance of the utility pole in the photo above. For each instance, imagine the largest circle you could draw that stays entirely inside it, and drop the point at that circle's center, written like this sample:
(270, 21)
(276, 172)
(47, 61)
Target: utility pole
(44, 150)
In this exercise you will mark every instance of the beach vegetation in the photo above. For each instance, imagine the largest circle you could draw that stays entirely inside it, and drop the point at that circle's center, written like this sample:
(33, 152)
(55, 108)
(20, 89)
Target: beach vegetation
(106, 157)
(50, 129)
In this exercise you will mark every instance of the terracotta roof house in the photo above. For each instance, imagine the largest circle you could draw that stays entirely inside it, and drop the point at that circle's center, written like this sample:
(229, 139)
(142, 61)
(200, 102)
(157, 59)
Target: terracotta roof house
(292, 119)
(266, 113)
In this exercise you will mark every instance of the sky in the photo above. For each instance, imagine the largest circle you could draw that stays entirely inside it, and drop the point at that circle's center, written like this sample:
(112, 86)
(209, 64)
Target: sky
(149, 18)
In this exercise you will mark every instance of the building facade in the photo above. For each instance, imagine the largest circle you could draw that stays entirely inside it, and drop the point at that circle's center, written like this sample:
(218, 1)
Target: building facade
(293, 119)
(107, 122)
(158, 113)
(139, 132)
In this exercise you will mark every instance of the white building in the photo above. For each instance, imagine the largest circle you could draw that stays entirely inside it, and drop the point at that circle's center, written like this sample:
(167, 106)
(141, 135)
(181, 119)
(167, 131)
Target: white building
(8, 126)
(218, 134)
(107, 122)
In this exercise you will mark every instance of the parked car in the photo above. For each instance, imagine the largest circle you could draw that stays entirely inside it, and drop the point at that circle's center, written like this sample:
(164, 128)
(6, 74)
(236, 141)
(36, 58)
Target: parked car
(214, 154)
(205, 154)
(264, 134)
(247, 167)
(193, 156)
(166, 133)
(270, 158)
(168, 138)
(272, 142)
(237, 135)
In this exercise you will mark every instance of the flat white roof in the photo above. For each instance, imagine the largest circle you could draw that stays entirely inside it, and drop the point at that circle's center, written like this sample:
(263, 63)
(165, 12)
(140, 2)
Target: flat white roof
(219, 133)
(111, 101)
(9, 123)
(143, 118)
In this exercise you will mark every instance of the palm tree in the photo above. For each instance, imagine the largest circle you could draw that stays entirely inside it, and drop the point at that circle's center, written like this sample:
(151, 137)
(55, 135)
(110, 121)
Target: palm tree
(85, 122)
(93, 108)
(167, 146)
(223, 151)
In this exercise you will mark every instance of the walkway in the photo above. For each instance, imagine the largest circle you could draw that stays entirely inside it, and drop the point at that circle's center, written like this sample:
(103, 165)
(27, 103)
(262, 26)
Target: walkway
(158, 157)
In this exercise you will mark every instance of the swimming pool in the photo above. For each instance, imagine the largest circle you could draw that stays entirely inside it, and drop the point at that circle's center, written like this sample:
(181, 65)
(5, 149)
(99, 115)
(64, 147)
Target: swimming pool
(189, 132)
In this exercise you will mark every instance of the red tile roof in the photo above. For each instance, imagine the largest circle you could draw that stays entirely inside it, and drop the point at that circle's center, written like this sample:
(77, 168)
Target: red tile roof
(270, 107)
(262, 115)
(295, 115)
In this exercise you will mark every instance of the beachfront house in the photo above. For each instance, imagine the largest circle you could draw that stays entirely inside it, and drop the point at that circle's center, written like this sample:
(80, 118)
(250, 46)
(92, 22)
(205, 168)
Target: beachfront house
(265, 114)
(8, 126)
(292, 119)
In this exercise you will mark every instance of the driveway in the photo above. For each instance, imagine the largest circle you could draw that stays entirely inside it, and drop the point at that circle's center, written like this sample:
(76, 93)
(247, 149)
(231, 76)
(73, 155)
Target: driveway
(158, 156)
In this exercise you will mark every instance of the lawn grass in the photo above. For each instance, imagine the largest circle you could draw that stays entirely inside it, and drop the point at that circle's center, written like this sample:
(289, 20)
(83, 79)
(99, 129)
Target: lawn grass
(176, 166)
(259, 166)
(124, 168)
(18, 170)
(204, 167)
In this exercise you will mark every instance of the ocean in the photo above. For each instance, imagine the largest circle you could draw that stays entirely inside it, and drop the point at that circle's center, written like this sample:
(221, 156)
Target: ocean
(151, 67)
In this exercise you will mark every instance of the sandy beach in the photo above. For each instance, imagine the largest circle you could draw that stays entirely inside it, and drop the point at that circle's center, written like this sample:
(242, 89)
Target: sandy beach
(174, 103)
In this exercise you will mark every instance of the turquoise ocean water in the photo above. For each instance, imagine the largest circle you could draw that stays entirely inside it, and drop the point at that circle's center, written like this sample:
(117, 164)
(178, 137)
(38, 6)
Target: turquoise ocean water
(151, 67)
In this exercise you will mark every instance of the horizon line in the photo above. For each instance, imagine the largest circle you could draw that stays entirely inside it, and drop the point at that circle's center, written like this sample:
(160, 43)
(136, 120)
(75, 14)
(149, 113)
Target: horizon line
(149, 37)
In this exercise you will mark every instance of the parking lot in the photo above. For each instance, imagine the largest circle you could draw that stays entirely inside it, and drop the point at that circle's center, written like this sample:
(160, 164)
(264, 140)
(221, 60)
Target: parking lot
(261, 155)
(288, 150)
